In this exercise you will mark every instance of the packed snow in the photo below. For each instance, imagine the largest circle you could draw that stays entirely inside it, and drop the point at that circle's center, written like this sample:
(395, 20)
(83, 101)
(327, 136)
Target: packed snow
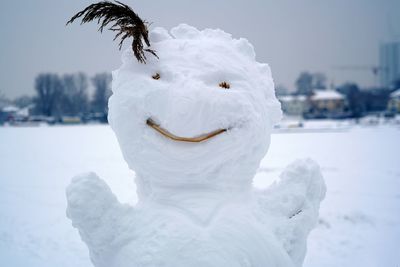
(188, 101)
(327, 95)
(196, 203)
(359, 221)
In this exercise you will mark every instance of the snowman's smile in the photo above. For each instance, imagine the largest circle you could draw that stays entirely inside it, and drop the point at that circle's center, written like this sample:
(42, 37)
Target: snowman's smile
(197, 139)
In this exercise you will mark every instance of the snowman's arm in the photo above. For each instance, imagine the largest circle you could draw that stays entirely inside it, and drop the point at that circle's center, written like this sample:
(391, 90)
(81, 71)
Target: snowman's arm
(96, 213)
(294, 203)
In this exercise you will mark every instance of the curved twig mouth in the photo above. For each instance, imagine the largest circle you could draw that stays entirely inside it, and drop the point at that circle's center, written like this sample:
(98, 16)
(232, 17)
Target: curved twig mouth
(197, 139)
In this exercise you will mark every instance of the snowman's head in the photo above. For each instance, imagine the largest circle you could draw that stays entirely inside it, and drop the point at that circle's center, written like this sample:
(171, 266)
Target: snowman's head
(205, 83)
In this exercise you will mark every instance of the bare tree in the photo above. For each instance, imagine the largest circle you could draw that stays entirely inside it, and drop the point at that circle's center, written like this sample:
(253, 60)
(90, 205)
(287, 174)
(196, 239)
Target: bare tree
(355, 98)
(48, 89)
(307, 82)
(319, 81)
(304, 84)
(396, 84)
(74, 99)
(3, 100)
(102, 85)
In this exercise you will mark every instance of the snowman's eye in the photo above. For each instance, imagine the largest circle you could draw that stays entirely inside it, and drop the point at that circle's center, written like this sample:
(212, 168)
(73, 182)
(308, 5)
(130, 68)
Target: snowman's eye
(156, 76)
(225, 85)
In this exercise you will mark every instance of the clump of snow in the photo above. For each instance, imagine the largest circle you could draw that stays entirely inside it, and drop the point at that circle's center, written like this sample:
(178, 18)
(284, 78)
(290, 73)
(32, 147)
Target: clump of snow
(327, 95)
(298, 195)
(196, 203)
(395, 94)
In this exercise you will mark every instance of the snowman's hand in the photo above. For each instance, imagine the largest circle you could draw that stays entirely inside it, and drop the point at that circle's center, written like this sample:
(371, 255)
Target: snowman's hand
(95, 211)
(303, 187)
(294, 203)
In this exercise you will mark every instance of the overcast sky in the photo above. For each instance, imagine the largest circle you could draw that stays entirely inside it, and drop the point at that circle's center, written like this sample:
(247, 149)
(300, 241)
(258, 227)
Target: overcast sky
(292, 36)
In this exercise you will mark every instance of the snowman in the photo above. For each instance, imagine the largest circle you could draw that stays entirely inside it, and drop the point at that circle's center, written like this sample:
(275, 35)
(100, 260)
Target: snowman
(193, 115)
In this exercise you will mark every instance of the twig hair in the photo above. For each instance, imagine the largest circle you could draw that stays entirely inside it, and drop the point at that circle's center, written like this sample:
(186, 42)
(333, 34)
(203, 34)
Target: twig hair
(125, 22)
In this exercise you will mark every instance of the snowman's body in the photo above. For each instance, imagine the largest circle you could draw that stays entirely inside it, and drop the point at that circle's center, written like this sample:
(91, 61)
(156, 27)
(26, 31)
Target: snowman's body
(177, 238)
(196, 203)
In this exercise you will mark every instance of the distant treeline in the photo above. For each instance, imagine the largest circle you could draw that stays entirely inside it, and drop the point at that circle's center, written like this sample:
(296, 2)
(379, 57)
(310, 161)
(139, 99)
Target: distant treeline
(57, 96)
(360, 101)
(67, 95)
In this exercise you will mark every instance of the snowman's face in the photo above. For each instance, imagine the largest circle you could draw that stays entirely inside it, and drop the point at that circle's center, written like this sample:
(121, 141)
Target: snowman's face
(185, 93)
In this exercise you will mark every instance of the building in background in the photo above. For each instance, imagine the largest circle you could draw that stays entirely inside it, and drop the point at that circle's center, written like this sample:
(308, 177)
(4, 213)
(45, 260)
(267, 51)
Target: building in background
(8, 113)
(327, 102)
(389, 57)
(394, 102)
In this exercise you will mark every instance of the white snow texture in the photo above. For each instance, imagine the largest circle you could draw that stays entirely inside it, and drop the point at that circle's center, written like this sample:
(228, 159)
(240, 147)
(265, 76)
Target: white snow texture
(196, 206)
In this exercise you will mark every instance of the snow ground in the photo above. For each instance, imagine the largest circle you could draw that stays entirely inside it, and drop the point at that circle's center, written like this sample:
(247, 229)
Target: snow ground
(360, 217)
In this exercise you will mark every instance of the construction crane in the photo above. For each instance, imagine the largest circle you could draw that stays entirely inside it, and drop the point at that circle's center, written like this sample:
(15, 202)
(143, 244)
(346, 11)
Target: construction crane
(375, 70)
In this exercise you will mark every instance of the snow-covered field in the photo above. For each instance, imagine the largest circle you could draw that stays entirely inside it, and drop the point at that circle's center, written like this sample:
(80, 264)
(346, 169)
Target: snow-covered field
(360, 217)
